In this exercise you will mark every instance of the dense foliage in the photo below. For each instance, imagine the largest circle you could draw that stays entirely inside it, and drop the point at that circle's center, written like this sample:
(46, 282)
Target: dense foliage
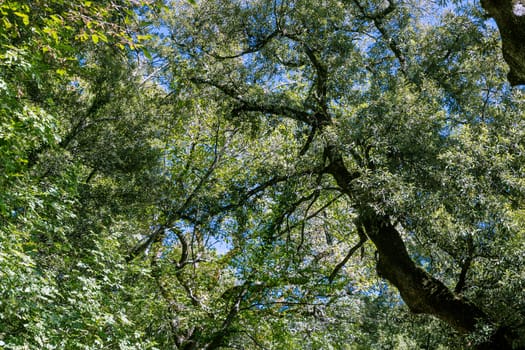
(258, 174)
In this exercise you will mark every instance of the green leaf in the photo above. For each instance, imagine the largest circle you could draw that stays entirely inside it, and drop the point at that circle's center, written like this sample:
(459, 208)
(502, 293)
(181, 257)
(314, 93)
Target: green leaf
(147, 54)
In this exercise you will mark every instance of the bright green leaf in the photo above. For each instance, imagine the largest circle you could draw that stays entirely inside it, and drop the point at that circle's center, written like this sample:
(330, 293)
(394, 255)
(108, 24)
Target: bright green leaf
(24, 16)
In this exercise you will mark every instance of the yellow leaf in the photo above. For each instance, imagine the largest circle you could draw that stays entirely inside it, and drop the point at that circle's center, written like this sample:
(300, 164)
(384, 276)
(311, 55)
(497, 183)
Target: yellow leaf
(102, 37)
(51, 32)
(95, 38)
(82, 36)
(7, 24)
(56, 19)
(24, 16)
(143, 37)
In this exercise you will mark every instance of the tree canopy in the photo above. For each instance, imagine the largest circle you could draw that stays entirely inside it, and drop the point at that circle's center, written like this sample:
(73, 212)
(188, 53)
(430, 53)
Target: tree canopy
(261, 175)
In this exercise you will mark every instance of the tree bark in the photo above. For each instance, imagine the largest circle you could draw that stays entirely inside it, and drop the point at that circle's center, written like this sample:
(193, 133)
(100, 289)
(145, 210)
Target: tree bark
(421, 292)
(510, 18)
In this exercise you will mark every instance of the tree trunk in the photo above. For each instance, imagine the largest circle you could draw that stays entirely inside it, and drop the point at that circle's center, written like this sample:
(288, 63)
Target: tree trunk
(510, 18)
(421, 292)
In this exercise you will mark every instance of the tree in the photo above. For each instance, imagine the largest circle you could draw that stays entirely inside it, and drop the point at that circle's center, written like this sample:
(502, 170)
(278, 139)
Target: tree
(258, 174)
(509, 16)
(384, 109)
(66, 154)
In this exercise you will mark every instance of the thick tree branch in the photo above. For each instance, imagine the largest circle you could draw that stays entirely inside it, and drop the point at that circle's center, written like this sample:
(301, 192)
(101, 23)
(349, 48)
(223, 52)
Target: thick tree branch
(306, 146)
(251, 49)
(421, 292)
(377, 18)
(245, 105)
(465, 266)
(463, 275)
(184, 247)
(236, 294)
(320, 82)
(510, 18)
(140, 248)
